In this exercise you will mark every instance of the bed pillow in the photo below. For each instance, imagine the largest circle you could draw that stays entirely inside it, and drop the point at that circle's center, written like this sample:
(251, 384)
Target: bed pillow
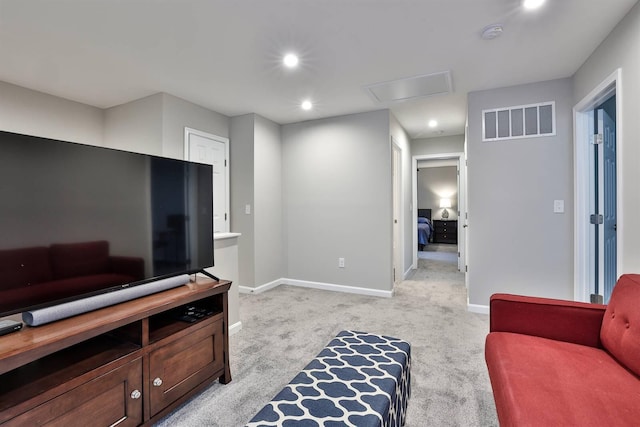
(422, 220)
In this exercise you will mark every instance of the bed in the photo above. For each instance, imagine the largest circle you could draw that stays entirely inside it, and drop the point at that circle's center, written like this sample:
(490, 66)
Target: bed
(425, 228)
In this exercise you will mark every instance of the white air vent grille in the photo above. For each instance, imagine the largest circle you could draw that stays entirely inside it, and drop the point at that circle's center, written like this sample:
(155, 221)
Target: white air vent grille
(522, 121)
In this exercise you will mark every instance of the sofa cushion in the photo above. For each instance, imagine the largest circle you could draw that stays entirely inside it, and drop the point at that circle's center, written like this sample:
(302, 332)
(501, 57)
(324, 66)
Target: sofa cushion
(538, 381)
(23, 267)
(620, 332)
(79, 259)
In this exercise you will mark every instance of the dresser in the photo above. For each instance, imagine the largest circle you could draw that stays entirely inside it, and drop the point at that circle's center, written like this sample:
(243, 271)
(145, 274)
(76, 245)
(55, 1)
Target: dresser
(445, 231)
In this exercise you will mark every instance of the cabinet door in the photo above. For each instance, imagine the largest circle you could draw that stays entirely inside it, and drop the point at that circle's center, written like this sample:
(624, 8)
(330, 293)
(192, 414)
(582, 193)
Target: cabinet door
(178, 367)
(112, 399)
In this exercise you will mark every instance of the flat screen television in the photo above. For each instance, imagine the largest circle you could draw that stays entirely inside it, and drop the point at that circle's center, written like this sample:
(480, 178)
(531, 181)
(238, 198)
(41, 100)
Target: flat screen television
(78, 220)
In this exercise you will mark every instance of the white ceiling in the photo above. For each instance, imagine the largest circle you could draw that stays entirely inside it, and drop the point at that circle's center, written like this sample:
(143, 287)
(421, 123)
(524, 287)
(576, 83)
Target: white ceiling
(225, 55)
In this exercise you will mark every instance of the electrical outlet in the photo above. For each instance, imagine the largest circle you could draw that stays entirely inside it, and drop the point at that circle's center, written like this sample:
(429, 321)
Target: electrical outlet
(341, 262)
(558, 206)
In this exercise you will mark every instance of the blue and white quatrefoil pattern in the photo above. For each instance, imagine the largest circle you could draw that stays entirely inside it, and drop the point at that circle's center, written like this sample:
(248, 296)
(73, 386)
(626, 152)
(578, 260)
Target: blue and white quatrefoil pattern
(359, 380)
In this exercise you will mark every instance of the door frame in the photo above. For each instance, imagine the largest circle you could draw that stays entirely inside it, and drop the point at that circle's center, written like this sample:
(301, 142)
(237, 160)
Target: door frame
(583, 125)
(462, 192)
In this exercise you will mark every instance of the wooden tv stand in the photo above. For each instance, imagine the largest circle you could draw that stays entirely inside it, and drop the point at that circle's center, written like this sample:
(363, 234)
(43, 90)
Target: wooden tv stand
(126, 365)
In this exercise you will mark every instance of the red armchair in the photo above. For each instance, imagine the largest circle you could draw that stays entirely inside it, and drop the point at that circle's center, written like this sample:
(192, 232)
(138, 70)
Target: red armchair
(554, 362)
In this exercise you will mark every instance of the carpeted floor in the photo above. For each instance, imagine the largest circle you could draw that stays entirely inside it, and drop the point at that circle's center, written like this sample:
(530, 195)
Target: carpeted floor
(441, 247)
(286, 327)
(440, 252)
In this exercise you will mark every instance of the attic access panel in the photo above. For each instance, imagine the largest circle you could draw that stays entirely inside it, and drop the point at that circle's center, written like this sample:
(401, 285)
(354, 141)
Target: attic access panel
(411, 87)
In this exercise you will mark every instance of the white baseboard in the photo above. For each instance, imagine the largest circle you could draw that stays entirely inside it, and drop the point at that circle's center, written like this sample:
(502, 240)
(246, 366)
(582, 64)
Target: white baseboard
(408, 272)
(473, 308)
(235, 328)
(260, 289)
(315, 285)
(338, 288)
(476, 308)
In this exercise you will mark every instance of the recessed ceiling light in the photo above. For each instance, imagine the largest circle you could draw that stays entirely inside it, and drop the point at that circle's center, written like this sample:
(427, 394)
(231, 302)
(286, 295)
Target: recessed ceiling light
(306, 105)
(290, 60)
(532, 4)
(433, 123)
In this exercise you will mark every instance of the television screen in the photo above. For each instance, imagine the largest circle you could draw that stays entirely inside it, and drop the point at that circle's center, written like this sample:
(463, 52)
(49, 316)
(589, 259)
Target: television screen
(77, 220)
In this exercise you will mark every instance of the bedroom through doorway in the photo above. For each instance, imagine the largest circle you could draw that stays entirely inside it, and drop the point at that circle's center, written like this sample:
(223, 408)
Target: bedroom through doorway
(439, 233)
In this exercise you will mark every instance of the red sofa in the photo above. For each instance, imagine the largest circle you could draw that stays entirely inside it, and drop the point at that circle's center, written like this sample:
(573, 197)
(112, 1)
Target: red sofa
(39, 274)
(562, 363)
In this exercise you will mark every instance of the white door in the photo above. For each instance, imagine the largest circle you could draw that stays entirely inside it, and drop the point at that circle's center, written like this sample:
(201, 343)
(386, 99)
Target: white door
(609, 240)
(398, 273)
(462, 214)
(605, 200)
(212, 150)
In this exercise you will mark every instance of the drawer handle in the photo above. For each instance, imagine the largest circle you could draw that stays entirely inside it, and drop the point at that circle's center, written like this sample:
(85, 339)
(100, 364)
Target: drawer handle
(135, 394)
(157, 382)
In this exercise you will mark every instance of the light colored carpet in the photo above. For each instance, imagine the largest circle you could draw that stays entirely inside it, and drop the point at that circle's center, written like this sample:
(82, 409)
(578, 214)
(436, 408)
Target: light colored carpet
(286, 327)
(440, 252)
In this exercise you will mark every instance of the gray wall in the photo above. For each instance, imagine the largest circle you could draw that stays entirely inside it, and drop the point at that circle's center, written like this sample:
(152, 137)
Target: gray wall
(135, 126)
(178, 114)
(35, 113)
(155, 125)
(269, 260)
(435, 183)
(516, 243)
(241, 152)
(256, 180)
(334, 206)
(621, 49)
(437, 145)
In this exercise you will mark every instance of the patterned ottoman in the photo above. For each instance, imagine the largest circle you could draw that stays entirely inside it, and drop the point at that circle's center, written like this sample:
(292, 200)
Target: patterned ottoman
(358, 379)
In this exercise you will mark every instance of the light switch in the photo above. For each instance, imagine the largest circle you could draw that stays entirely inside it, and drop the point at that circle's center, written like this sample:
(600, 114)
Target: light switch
(558, 206)
(247, 209)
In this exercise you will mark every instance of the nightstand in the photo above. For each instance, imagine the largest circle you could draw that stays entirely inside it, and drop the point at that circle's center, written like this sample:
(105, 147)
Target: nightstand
(445, 231)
